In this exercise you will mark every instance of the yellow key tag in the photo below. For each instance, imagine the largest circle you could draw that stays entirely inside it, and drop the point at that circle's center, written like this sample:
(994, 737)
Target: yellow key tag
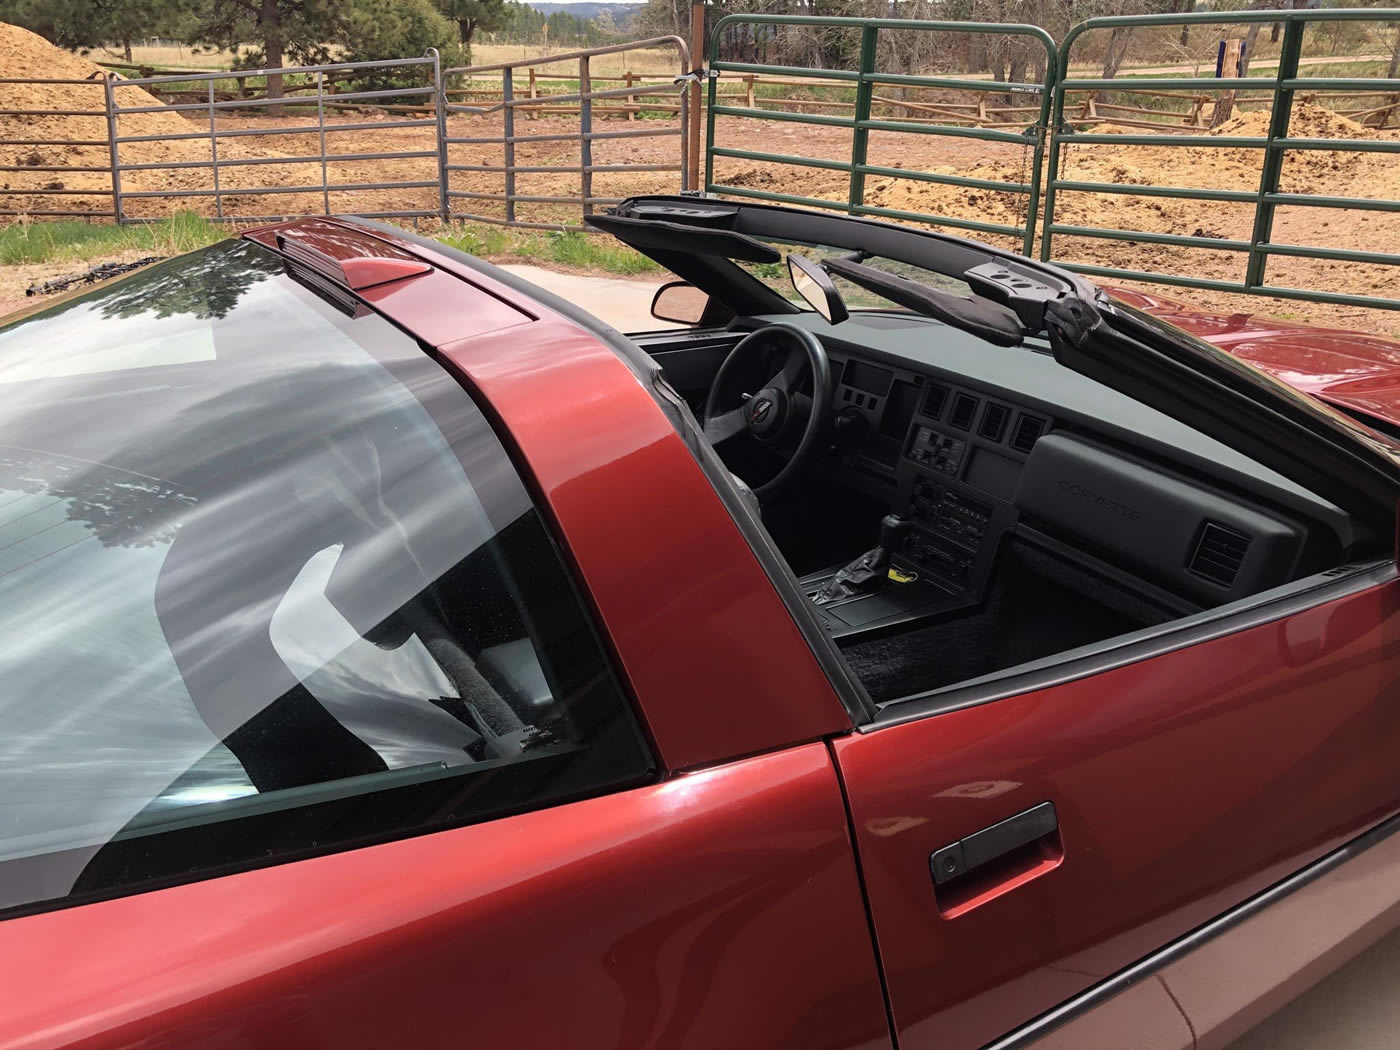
(902, 577)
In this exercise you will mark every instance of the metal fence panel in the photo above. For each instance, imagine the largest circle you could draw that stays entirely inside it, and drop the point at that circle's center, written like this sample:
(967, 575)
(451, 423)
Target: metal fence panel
(306, 96)
(864, 80)
(447, 186)
(1266, 199)
(512, 105)
(52, 198)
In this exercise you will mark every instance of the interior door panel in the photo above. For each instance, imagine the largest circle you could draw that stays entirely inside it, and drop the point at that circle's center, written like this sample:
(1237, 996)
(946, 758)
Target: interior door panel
(690, 360)
(1182, 784)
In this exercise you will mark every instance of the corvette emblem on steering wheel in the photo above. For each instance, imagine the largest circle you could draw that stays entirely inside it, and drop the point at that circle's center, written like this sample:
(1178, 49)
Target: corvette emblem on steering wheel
(759, 412)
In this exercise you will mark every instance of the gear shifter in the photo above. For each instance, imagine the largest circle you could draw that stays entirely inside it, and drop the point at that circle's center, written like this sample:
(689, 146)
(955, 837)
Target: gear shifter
(867, 573)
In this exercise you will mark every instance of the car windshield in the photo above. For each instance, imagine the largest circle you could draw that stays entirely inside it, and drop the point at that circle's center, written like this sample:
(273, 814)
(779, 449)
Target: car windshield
(775, 276)
(214, 487)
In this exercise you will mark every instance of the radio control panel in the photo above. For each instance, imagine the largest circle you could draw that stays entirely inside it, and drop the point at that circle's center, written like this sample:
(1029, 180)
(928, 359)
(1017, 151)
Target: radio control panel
(949, 529)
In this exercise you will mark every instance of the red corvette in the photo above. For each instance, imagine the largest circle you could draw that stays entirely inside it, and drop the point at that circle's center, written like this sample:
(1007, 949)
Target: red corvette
(395, 657)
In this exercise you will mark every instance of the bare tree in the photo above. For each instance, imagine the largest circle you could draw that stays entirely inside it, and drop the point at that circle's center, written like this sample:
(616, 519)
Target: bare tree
(1118, 41)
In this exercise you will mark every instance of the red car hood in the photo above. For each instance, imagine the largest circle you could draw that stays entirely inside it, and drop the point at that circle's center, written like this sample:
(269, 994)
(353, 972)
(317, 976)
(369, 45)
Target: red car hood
(1351, 370)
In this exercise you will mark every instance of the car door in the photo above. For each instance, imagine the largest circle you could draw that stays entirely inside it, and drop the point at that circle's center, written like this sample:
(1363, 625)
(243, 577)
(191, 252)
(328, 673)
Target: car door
(335, 711)
(1183, 783)
(1042, 843)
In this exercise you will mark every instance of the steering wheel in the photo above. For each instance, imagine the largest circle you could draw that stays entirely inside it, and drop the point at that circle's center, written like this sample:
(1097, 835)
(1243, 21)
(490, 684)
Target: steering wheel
(776, 411)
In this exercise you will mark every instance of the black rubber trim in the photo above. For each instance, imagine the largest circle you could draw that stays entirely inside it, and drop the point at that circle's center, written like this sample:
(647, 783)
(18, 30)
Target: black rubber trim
(1125, 978)
(1130, 649)
(847, 687)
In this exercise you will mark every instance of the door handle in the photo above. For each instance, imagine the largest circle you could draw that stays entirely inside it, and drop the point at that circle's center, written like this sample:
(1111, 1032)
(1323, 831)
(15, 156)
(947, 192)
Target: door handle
(961, 857)
(995, 860)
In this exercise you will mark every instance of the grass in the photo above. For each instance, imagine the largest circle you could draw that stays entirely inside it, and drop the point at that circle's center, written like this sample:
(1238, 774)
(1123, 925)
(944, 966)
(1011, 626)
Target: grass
(172, 55)
(645, 60)
(577, 250)
(41, 242)
(1351, 70)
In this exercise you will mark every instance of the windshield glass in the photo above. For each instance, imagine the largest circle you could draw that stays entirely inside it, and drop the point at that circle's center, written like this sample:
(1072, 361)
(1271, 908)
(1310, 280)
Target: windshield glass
(232, 532)
(775, 276)
(162, 442)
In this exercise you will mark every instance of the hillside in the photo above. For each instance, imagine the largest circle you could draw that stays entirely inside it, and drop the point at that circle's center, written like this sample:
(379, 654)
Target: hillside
(588, 10)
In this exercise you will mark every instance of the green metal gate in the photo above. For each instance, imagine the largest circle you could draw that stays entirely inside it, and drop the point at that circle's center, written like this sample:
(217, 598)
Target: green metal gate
(864, 81)
(1266, 199)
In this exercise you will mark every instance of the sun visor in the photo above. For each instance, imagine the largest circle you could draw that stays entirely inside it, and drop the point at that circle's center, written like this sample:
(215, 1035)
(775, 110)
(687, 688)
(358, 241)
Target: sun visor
(981, 317)
(657, 235)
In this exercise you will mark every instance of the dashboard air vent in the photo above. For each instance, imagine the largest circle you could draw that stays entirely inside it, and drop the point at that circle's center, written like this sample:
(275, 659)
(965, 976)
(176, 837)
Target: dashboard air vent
(1219, 554)
(1027, 430)
(933, 401)
(964, 408)
(994, 419)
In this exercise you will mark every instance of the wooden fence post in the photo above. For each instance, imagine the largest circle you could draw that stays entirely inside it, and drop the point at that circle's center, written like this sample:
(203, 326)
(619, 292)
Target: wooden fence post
(1232, 51)
(1197, 118)
(631, 99)
(530, 110)
(748, 90)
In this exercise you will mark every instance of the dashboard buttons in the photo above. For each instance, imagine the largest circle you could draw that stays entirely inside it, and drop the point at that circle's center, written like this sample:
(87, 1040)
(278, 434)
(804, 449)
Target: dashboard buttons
(938, 452)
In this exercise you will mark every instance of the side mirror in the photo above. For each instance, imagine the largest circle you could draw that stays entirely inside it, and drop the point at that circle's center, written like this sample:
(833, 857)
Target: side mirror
(679, 303)
(815, 286)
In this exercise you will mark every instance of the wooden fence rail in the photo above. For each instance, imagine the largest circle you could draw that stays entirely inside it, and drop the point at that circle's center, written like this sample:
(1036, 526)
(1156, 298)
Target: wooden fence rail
(657, 97)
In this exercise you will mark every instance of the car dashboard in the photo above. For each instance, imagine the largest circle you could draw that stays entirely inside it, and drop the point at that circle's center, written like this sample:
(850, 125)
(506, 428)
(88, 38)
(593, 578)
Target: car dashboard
(972, 444)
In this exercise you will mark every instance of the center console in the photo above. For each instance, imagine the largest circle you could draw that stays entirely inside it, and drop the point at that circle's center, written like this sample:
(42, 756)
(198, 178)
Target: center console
(955, 476)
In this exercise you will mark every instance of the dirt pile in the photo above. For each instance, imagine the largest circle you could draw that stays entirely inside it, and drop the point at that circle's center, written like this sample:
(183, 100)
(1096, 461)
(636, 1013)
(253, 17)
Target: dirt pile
(65, 132)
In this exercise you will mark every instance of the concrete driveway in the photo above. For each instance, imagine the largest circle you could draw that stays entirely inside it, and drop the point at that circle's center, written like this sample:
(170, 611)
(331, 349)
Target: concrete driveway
(624, 304)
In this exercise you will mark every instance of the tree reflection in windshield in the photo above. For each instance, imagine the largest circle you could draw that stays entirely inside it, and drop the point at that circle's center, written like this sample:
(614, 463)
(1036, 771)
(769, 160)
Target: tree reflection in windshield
(118, 507)
(205, 286)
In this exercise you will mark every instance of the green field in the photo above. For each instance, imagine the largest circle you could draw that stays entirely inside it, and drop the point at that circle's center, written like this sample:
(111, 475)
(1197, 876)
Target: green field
(43, 242)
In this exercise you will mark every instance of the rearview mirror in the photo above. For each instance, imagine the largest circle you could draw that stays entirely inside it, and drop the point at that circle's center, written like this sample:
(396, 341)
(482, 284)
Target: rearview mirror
(679, 303)
(815, 286)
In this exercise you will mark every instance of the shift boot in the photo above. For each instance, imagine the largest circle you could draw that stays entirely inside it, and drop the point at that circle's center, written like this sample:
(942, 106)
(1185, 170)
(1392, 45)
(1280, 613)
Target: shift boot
(869, 572)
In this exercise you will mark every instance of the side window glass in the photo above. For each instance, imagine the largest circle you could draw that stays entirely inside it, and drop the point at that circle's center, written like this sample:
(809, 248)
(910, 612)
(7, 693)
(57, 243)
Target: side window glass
(286, 594)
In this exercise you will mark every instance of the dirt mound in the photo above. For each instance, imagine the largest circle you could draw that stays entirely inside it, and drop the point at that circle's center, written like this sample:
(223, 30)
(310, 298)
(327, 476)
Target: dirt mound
(1308, 121)
(66, 132)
